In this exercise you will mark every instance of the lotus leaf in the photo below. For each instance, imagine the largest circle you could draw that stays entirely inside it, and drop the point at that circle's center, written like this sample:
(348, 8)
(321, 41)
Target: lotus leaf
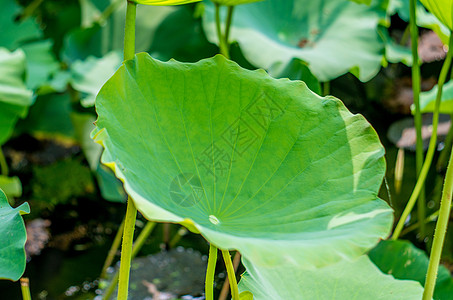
(12, 241)
(251, 162)
(15, 33)
(89, 75)
(403, 260)
(424, 18)
(359, 279)
(332, 36)
(428, 100)
(15, 98)
(41, 63)
(442, 9)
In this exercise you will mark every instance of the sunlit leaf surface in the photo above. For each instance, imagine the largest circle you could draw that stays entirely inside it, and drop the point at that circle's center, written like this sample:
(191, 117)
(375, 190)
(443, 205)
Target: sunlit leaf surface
(359, 279)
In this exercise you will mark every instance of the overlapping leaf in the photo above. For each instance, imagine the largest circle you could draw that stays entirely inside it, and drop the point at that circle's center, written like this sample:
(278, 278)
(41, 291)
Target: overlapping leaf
(428, 100)
(359, 279)
(403, 260)
(12, 239)
(15, 98)
(442, 9)
(332, 36)
(251, 162)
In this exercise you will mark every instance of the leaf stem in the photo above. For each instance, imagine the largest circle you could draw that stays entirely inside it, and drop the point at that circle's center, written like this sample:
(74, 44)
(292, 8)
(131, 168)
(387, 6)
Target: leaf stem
(439, 233)
(209, 283)
(222, 44)
(3, 164)
(129, 31)
(135, 249)
(228, 24)
(231, 275)
(416, 82)
(25, 288)
(226, 285)
(432, 144)
(113, 249)
(126, 250)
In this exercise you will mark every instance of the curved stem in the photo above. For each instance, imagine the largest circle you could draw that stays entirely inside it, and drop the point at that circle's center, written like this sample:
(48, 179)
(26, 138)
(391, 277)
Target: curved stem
(209, 283)
(431, 147)
(439, 233)
(129, 31)
(113, 249)
(231, 275)
(126, 250)
(416, 82)
(3, 164)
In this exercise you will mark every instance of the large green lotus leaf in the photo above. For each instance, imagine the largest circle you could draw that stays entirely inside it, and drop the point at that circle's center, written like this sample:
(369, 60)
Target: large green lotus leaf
(403, 260)
(41, 63)
(442, 9)
(428, 100)
(359, 279)
(15, 98)
(12, 239)
(332, 36)
(14, 33)
(424, 18)
(253, 163)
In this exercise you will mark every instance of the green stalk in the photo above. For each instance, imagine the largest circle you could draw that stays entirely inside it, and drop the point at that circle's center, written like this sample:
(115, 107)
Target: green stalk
(228, 25)
(326, 88)
(222, 46)
(416, 82)
(109, 10)
(139, 242)
(141, 239)
(447, 147)
(126, 250)
(129, 31)
(226, 285)
(25, 288)
(209, 283)
(439, 233)
(231, 275)
(113, 249)
(3, 164)
(432, 144)
(131, 212)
